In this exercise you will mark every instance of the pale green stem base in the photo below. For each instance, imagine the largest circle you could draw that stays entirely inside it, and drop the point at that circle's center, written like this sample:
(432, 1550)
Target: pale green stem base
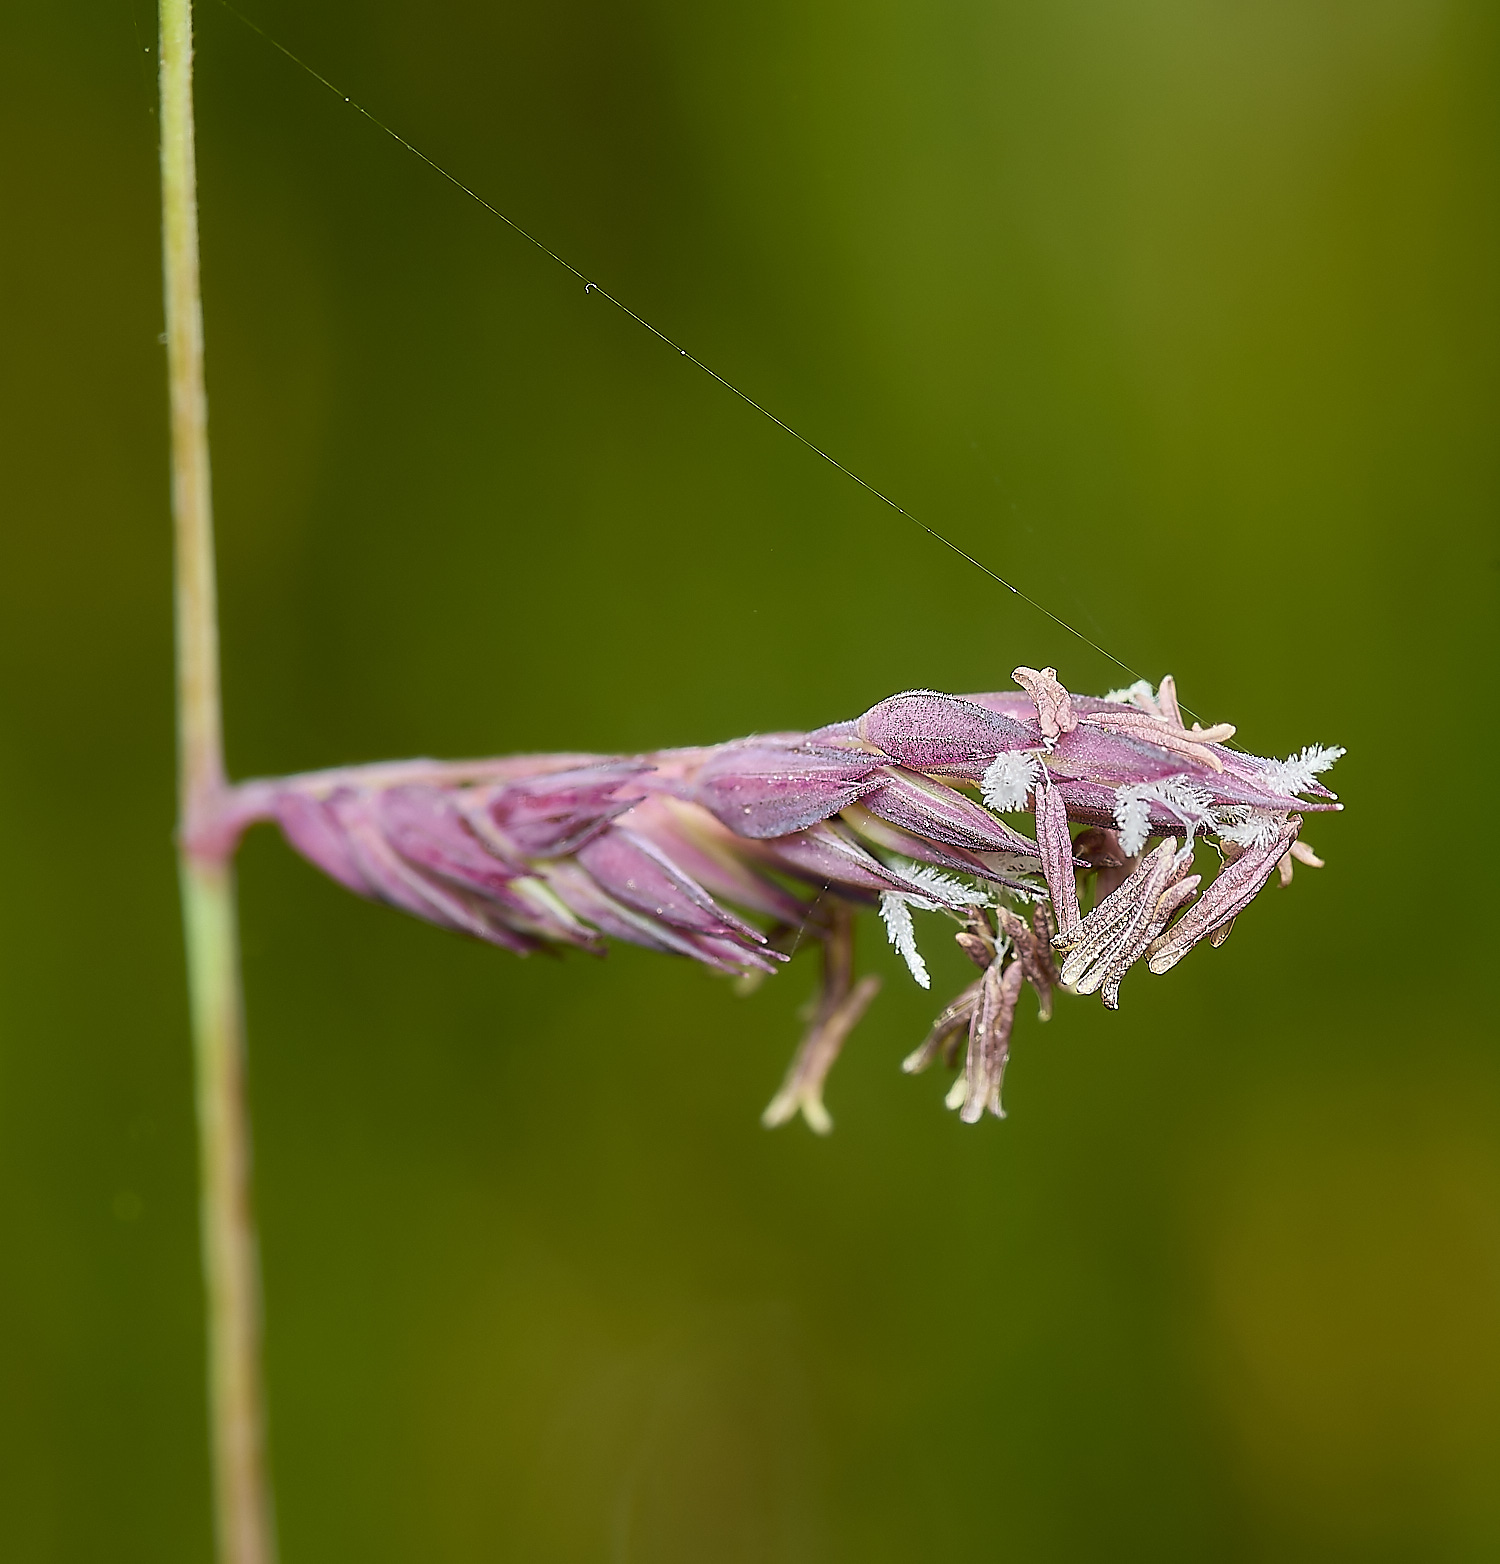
(243, 1521)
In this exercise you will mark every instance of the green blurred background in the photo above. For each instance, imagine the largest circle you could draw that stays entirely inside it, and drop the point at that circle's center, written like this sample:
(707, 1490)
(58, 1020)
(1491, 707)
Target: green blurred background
(1181, 313)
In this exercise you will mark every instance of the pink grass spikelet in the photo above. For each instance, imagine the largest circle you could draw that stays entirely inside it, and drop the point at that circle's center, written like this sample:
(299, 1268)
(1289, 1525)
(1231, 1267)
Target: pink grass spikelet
(737, 854)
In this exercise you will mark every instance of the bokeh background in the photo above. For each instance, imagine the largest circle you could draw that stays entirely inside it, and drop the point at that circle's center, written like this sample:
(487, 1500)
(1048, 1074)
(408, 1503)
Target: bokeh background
(1182, 314)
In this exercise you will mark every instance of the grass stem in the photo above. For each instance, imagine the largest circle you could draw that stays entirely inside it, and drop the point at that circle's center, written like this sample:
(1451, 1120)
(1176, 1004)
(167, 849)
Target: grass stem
(242, 1503)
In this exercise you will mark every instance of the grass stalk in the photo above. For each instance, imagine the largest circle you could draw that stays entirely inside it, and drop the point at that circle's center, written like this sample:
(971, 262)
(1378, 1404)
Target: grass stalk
(242, 1503)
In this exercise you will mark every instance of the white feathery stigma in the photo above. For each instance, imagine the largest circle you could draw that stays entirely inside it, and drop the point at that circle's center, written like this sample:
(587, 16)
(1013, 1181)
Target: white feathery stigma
(898, 926)
(1139, 694)
(1180, 796)
(1296, 772)
(1133, 817)
(1009, 779)
(946, 890)
(1190, 803)
(1247, 827)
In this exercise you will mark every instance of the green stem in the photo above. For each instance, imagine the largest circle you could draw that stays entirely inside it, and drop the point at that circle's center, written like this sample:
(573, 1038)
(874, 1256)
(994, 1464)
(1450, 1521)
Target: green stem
(242, 1500)
(242, 1504)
